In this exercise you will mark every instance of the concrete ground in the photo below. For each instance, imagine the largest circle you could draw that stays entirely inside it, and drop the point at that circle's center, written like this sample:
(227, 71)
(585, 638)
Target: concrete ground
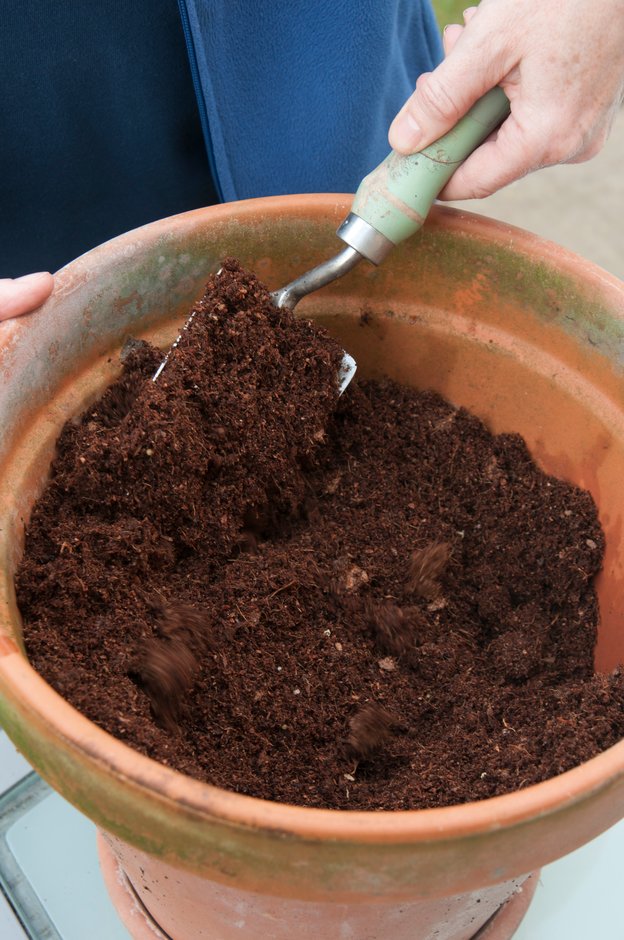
(579, 206)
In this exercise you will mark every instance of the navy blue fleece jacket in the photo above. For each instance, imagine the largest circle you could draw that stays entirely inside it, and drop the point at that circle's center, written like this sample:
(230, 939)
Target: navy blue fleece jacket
(103, 107)
(299, 95)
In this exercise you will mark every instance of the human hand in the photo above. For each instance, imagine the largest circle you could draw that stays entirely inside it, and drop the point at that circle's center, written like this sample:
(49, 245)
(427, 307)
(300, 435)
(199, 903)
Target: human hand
(24, 294)
(561, 64)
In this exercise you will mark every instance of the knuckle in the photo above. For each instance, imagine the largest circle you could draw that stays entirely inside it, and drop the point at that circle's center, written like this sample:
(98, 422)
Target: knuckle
(561, 149)
(590, 149)
(572, 138)
(482, 190)
(436, 100)
(573, 143)
(595, 146)
(541, 147)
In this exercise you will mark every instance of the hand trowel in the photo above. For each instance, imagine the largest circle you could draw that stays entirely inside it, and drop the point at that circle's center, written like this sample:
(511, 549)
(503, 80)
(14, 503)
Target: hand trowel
(392, 203)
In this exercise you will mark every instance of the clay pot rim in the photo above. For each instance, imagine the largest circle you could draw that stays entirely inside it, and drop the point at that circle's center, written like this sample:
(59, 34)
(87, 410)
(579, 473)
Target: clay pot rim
(320, 205)
(202, 801)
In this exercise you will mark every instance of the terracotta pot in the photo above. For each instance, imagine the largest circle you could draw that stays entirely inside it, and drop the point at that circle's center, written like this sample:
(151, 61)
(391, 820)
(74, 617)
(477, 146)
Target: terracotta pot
(526, 335)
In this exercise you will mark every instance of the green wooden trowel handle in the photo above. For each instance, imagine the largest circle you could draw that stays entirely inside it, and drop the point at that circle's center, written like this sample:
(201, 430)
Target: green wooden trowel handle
(396, 197)
(392, 202)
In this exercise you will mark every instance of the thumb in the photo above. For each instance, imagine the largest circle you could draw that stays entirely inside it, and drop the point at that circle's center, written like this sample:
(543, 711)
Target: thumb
(443, 96)
(24, 293)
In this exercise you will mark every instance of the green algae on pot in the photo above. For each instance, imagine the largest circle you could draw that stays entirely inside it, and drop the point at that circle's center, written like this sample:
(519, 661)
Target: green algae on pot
(553, 292)
(492, 318)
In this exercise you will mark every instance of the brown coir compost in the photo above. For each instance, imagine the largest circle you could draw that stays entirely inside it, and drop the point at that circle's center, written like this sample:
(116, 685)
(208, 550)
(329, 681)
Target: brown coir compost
(361, 602)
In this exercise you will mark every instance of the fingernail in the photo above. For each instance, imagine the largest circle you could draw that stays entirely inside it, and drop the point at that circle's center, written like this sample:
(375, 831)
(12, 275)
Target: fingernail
(407, 132)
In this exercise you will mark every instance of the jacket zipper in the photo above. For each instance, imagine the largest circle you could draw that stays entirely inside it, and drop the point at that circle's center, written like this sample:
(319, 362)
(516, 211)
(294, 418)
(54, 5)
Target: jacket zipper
(199, 94)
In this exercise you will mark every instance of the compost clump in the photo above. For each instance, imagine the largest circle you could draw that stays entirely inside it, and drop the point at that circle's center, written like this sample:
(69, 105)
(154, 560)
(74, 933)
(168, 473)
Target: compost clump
(364, 602)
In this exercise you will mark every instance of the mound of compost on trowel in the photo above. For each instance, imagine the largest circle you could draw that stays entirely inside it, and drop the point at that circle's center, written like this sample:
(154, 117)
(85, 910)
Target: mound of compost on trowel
(366, 602)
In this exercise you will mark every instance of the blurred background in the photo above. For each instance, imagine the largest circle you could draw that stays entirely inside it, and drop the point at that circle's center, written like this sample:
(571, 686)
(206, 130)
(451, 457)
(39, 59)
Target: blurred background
(578, 206)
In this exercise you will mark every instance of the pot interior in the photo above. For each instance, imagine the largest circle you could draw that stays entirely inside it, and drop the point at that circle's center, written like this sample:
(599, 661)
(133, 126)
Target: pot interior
(525, 335)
